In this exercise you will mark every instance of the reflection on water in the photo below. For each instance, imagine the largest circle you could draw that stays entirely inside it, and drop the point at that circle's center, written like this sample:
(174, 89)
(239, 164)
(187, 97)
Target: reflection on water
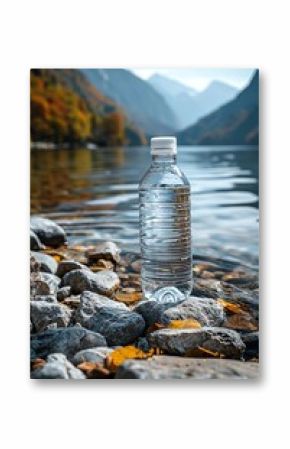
(94, 194)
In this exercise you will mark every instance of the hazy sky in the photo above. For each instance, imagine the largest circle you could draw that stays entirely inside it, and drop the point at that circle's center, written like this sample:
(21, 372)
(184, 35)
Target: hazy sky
(200, 78)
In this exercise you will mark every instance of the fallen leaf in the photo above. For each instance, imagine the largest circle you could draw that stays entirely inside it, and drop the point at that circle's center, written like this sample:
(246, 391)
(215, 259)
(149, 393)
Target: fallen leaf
(117, 357)
(93, 370)
(241, 322)
(128, 297)
(231, 307)
(184, 324)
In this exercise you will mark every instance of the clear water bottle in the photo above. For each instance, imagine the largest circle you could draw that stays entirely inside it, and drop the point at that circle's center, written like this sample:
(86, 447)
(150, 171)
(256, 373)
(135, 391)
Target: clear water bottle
(165, 226)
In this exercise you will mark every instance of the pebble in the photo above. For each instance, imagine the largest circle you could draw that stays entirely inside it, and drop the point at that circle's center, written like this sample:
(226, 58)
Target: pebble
(48, 232)
(46, 263)
(183, 341)
(152, 311)
(35, 243)
(43, 283)
(104, 250)
(57, 367)
(104, 282)
(170, 367)
(68, 341)
(45, 315)
(63, 293)
(94, 355)
(65, 266)
(207, 311)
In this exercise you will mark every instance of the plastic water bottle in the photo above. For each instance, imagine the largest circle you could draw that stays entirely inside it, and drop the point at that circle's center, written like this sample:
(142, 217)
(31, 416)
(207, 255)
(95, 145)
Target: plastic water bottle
(165, 226)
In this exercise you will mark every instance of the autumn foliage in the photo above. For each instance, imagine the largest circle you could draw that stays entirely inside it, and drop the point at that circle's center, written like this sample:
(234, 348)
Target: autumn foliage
(65, 108)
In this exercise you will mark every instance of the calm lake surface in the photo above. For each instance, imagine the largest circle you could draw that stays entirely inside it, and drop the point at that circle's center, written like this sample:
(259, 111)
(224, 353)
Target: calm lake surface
(94, 195)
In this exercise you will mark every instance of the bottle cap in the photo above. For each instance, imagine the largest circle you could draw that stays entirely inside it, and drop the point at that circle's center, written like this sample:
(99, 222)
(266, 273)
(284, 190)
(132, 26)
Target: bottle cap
(163, 145)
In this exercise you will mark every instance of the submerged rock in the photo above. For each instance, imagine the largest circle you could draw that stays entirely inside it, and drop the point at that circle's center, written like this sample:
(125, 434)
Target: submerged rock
(48, 232)
(104, 282)
(185, 341)
(68, 341)
(57, 367)
(45, 315)
(170, 367)
(207, 311)
(43, 284)
(47, 263)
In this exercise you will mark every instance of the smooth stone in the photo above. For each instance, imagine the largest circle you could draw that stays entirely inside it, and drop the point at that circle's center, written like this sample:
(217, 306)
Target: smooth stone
(47, 263)
(45, 314)
(251, 340)
(57, 367)
(120, 327)
(94, 355)
(104, 282)
(182, 341)
(104, 250)
(35, 243)
(67, 340)
(46, 298)
(43, 284)
(207, 311)
(65, 266)
(91, 303)
(63, 293)
(152, 311)
(48, 232)
(170, 367)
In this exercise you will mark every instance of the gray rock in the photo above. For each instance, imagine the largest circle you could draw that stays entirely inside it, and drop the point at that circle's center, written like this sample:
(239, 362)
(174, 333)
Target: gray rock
(47, 231)
(104, 250)
(182, 341)
(91, 303)
(47, 263)
(34, 265)
(35, 243)
(65, 266)
(94, 355)
(63, 293)
(67, 340)
(104, 282)
(152, 311)
(251, 340)
(57, 367)
(46, 298)
(170, 367)
(120, 327)
(207, 311)
(45, 314)
(43, 284)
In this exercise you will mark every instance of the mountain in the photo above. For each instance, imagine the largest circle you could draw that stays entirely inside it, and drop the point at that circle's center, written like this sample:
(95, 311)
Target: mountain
(188, 104)
(67, 108)
(235, 123)
(142, 103)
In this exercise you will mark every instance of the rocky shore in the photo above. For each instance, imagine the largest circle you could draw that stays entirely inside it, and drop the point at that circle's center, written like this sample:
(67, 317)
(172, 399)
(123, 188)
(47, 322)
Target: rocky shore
(89, 319)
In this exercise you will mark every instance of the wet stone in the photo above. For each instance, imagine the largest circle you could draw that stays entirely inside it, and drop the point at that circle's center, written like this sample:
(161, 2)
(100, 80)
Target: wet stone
(104, 282)
(251, 340)
(105, 250)
(35, 243)
(152, 311)
(94, 355)
(48, 232)
(43, 284)
(63, 293)
(46, 298)
(65, 266)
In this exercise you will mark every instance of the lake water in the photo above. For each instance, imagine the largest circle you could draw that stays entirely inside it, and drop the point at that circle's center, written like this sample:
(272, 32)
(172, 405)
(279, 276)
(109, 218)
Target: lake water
(94, 195)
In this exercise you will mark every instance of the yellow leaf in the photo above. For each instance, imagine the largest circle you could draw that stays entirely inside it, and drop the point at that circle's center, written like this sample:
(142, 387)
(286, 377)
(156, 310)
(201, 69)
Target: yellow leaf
(117, 357)
(201, 352)
(184, 324)
(231, 307)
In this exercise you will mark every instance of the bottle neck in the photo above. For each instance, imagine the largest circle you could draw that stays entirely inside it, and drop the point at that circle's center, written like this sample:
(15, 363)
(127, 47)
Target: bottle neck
(158, 159)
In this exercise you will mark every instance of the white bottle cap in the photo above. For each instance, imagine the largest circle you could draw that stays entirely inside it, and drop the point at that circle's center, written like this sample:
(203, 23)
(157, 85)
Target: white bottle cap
(163, 145)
